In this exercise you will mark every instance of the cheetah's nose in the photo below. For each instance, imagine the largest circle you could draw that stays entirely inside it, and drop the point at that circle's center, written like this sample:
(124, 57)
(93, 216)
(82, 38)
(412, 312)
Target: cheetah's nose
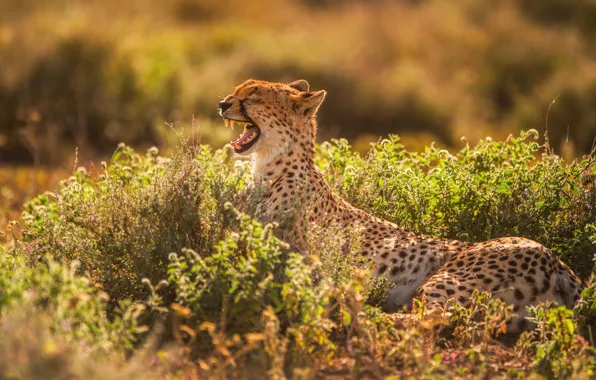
(223, 106)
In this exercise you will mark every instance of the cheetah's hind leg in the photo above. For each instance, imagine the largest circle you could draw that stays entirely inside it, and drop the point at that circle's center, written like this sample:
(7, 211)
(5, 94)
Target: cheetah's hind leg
(445, 289)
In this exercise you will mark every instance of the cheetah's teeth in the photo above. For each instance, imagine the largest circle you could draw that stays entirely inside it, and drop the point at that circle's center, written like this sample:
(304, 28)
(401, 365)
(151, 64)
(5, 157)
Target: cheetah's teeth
(232, 124)
(226, 121)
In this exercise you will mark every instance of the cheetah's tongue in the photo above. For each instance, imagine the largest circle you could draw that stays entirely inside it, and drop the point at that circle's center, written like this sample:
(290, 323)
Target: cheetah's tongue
(246, 138)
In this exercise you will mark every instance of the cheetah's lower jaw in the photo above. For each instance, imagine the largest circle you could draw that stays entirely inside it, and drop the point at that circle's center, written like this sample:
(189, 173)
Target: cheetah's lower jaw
(247, 140)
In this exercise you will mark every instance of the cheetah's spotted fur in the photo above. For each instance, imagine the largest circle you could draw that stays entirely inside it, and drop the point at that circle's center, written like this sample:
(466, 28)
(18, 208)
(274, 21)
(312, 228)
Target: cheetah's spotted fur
(519, 271)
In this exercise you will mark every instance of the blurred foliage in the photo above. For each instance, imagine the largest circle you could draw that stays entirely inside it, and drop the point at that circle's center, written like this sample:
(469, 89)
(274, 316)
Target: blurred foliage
(94, 73)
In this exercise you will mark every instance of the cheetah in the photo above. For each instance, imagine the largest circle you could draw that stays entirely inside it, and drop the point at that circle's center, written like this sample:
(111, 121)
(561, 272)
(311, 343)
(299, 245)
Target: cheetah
(279, 133)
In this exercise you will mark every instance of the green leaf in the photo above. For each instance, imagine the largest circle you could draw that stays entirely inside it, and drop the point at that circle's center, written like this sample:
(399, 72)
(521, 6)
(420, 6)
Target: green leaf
(503, 188)
(347, 318)
(569, 325)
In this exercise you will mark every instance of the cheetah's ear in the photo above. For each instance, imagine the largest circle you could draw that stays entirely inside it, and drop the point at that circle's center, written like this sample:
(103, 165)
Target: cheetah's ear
(311, 101)
(300, 85)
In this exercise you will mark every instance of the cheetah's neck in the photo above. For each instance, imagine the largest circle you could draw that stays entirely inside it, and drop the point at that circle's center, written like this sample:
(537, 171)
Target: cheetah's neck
(293, 154)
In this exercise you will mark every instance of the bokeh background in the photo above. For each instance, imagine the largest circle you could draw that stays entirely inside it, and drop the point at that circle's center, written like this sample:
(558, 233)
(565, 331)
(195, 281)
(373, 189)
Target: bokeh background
(93, 73)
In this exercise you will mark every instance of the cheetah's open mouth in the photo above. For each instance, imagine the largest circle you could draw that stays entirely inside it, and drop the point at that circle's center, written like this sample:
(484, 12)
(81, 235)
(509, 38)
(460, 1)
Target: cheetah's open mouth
(248, 138)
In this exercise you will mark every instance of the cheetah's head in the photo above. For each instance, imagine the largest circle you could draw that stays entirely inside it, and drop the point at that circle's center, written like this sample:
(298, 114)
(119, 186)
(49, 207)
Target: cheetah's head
(274, 115)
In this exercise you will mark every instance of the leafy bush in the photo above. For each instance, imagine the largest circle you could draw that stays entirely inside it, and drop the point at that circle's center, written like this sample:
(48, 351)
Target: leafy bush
(496, 189)
(153, 241)
(123, 224)
(239, 276)
(559, 351)
(78, 308)
(484, 318)
(248, 283)
(55, 324)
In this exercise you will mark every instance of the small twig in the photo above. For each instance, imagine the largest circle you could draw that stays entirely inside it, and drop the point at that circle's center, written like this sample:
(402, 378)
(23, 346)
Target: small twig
(76, 160)
(566, 152)
(546, 141)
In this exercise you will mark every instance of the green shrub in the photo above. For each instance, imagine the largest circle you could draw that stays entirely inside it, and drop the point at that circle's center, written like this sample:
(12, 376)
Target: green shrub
(247, 277)
(78, 309)
(559, 351)
(123, 224)
(158, 237)
(485, 318)
(240, 276)
(496, 189)
(53, 321)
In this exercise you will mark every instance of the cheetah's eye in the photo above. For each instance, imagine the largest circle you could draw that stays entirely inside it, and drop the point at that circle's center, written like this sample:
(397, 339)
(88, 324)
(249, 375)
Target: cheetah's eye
(254, 100)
